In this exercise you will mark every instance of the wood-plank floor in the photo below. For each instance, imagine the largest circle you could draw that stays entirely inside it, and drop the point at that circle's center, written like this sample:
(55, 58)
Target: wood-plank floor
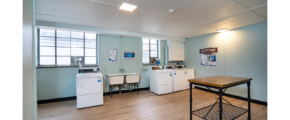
(144, 106)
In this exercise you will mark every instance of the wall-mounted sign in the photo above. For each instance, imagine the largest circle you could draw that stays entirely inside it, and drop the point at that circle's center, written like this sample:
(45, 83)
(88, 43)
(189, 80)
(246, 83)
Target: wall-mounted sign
(129, 55)
(203, 60)
(212, 60)
(113, 55)
(208, 51)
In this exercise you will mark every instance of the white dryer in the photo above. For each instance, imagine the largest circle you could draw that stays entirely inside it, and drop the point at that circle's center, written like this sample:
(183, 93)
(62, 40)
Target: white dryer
(89, 83)
(180, 77)
(161, 81)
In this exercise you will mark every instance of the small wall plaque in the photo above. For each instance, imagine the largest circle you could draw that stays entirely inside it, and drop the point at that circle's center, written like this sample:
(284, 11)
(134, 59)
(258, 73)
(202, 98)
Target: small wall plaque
(208, 51)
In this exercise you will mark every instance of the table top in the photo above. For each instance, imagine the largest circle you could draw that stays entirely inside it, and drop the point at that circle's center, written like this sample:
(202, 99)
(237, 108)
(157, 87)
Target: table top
(220, 81)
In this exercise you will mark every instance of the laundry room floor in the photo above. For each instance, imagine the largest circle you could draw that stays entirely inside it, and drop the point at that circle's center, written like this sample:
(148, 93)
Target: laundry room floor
(143, 106)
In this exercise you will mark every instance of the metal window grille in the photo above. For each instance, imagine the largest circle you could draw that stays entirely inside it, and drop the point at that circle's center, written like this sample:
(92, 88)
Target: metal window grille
(52, 59)
(152, 60)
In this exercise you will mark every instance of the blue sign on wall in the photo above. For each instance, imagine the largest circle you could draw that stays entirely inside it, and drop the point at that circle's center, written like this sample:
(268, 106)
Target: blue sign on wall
(129, 55)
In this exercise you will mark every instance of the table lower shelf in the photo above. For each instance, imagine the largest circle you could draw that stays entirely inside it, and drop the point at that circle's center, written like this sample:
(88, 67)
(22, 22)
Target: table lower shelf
(230, 112)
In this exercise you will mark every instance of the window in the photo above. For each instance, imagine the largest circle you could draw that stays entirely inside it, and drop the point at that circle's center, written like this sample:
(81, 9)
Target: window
(62, 48)
(150, 50)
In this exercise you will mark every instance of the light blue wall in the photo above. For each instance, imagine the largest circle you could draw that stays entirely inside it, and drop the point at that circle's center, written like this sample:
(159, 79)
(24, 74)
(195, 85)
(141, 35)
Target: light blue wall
(242, 52)
(56, 82)
(61, 82)
(29, 80)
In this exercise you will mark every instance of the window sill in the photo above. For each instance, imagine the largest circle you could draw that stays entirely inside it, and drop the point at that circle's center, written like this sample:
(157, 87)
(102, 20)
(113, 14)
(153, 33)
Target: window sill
(66, 66)
(150, 65)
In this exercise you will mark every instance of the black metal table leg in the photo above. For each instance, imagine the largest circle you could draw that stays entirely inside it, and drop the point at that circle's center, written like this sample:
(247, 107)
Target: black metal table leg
(119, 89)
(221, 104)
(249, 101)
(190, 101)
(111, 90)
(137, 88)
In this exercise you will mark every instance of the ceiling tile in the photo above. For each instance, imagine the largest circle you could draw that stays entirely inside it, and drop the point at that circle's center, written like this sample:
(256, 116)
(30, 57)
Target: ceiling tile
(77, 9)
(195, 31)
(113, 2)
(124, 28)
(40, 17)
(194, 11)
(173, 25)
(116, 27)
(137, 19)
(251, 3)
(235, 21)
(262, 11)
(140, 20)
(154, 32)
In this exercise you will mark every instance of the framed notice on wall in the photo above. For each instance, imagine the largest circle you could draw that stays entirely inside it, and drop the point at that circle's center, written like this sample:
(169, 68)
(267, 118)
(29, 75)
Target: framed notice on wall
(203, 60)
(113, 55)
(212, 60)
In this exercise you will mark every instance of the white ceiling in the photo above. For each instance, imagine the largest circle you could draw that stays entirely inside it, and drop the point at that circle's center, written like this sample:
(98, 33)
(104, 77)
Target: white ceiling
(190, 17)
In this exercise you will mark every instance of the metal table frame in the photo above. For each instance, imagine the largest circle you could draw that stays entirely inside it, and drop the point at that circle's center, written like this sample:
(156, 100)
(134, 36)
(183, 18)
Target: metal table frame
(111, 87)
(220, 98)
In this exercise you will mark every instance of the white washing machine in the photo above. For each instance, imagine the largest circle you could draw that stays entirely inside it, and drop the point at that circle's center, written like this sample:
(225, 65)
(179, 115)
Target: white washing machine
(180, 77)
(89, 83)
(161, 81)
(189, 74)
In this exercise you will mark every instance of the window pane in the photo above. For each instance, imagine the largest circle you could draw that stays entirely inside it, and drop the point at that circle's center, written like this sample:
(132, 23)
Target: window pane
(46, 41)
(63, 34)
(153, 41)
(63, 60)
(145, 53)
(77, 52)
(145, 40)
(145, 59)
(79, 35)
(90, 52)
(153, 54)
(46, 32)
(64, 42)
(90, 60)
(90, 36)
(77, 43)
(145, 46)
(63, 52)
(90, 43)
(47, 61)
(47, 51)
(153, 47)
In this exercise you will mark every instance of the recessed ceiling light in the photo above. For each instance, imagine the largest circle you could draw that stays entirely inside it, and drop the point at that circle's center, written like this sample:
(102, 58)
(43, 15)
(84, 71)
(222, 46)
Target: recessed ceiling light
(222, 30)
(171, 10)
(127, 6)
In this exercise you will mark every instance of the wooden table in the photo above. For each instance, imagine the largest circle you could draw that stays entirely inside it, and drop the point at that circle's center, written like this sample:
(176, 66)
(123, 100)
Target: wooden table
(220, 83)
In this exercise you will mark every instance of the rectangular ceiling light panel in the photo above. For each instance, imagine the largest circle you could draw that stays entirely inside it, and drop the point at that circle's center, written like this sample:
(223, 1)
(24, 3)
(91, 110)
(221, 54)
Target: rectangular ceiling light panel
(223, 30)
(127, 6)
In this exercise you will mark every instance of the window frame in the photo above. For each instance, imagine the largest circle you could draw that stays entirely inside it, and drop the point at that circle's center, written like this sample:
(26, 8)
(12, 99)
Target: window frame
(146, 64)
(55, 50)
